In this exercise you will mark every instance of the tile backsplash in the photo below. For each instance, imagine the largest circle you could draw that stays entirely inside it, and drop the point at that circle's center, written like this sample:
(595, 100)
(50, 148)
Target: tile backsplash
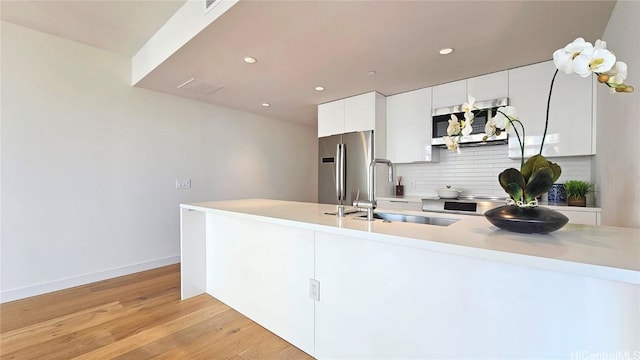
(476, 171)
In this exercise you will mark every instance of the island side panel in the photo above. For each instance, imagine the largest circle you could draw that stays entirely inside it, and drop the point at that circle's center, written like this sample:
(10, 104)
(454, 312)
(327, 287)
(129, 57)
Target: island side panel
(386, 301)
(192, 253)
(263, 271)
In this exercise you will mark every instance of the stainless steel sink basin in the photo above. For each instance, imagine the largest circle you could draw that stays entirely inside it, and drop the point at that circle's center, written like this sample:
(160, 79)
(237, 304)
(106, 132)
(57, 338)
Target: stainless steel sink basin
(416, 219)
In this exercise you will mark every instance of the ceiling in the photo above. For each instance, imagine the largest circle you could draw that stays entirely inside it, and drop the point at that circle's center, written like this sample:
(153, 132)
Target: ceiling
(303, 44)
(121, 27)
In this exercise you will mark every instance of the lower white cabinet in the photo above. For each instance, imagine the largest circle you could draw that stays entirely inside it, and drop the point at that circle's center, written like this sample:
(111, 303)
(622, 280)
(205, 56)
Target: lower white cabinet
(582, 217)
(385, 301)
(263, 270)
(388, 301)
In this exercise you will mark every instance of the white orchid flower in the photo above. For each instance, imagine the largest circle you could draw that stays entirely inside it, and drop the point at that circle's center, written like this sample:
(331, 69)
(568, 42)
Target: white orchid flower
(600, 44)
(451, 143)
(454, 126)
(468, 117)
(593, 60)
(617, 74)
(490, 128)
(466, 126)
(469, 106)
(501, 121)
(564, 58)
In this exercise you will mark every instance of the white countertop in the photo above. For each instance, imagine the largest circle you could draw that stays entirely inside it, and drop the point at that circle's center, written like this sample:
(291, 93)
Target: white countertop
(605, 252)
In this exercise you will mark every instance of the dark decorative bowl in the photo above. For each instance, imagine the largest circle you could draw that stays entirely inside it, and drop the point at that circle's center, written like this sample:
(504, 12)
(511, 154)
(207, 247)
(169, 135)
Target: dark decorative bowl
(528, 220)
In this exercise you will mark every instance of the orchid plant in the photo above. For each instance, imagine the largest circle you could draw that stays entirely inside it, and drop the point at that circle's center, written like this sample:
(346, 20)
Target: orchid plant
(537, 174)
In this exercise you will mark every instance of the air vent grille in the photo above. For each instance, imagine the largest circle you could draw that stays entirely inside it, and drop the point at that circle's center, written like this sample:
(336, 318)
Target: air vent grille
(199, 86)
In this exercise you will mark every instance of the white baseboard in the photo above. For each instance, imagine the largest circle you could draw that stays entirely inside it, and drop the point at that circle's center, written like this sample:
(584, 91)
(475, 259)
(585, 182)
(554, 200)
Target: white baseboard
(43, 288)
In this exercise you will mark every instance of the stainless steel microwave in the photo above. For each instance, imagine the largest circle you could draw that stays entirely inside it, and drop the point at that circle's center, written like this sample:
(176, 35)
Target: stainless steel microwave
(440, 121)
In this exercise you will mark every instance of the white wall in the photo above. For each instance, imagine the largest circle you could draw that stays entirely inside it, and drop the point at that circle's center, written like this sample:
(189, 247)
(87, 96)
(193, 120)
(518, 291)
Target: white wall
(617, 163)
(89, 164)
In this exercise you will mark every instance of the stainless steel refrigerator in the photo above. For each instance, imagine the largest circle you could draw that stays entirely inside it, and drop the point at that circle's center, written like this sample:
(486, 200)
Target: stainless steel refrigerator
(343, 167)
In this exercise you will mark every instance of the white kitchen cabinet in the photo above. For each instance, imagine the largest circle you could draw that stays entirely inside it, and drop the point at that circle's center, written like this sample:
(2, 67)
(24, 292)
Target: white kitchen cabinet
(484, 87)
(399, 204)
(449, 94)
(409, 127)
(357, 113)
(331, 118)
(585, 216)
(263, 270)
(571, 130)
(489, 87)
(386, 301)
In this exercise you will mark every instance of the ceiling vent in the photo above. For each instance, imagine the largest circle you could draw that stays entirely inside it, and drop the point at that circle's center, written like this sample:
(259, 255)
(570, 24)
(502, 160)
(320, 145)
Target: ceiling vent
(199, 86)
(210, 4)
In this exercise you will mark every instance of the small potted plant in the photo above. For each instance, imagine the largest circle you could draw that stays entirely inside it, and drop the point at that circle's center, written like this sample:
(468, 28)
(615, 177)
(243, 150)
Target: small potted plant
(577, 192)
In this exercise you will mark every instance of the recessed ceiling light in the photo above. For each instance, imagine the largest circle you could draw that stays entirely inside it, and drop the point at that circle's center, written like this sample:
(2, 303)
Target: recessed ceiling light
(250, 60)
(371, 73)
(319, 88)
(266, 104)
(446, 51)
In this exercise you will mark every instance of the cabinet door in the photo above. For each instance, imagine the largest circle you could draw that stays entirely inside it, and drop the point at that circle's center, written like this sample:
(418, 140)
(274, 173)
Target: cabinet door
(581, 217)
(409, 127)
(570, 131)
(384, 301)
(192, 253)
(360, 112)
(490, 86)
(453, 93)
(263, 271)
(331, 118)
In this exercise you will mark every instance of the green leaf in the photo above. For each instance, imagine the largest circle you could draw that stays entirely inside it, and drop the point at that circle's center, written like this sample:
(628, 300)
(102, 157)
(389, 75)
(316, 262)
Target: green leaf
(514, 190)
(534, 163)
(555, 168)
(511, 175)
(513, 183)
(539, 183)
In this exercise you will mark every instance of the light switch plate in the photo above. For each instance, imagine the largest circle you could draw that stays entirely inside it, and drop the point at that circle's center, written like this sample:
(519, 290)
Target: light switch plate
(183, 183)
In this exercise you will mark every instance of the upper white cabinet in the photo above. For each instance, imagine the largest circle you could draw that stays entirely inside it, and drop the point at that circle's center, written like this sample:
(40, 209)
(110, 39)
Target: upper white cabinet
(356, 113)
(571, 130)
(331, 118)
(453, 93)
(485, 87)
(409, 127)
(489, 87)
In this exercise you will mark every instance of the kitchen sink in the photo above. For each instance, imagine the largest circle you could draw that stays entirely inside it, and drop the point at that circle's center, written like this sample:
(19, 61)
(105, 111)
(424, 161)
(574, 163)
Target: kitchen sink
(416, 219)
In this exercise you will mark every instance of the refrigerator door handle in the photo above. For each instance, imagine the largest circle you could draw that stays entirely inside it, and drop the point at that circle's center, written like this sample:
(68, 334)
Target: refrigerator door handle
(340, 172)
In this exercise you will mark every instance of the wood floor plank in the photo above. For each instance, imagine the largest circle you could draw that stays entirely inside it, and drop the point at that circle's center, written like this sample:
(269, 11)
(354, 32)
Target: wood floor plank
(58, 327)
(139, 316)
(39, 308)
(269, 348)
(153, 334)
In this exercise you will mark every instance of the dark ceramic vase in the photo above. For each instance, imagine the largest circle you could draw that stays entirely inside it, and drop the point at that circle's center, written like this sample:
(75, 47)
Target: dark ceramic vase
(531, 220)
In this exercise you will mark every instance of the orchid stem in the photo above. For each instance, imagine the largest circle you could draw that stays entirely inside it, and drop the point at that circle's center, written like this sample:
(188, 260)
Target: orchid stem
(546, 123)
(520, 140)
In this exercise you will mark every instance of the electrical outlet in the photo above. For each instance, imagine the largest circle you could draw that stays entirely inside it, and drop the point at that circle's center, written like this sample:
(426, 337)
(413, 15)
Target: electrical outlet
(314, 289)
(413, 184)
(183, 183)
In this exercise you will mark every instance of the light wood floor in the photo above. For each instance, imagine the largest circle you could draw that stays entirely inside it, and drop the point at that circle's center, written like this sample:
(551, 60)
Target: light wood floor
(139, 316)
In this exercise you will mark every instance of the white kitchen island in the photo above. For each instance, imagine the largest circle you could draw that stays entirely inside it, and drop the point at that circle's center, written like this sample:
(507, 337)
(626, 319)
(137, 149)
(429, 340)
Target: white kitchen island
(347, 288)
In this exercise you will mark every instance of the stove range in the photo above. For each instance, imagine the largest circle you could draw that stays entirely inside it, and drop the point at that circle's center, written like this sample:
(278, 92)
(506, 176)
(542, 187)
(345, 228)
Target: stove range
(469, 205)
